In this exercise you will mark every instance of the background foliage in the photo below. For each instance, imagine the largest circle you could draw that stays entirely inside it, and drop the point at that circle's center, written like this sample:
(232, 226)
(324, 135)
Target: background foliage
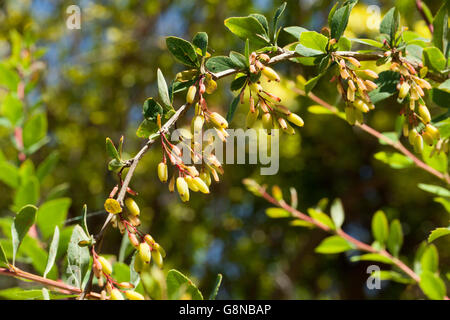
(94, 84)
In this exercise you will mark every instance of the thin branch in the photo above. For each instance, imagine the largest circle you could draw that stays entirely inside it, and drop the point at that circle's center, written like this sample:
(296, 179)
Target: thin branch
(420, 8)
(395, 144)
(64, 288)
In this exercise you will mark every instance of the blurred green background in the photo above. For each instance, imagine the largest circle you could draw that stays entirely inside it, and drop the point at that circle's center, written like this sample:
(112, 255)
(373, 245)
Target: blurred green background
(94, 85)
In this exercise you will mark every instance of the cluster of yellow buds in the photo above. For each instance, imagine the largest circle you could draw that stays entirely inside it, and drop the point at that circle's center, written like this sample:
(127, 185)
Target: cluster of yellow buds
(274, 116)
(112, 289)
(411, 89)
(356, 94)
(122, 219)
(147, 250)
(256, 66)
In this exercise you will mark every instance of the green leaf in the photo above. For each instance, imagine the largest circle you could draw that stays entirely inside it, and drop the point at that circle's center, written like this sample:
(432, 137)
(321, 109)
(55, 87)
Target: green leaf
(339, 19)
(276, 20)
(387, 86)
(432, 286)
(163, 91)
(22, 223)
(12, 109)
(176, 282)
(337, 213)
(390, 24)
(51, 214)
(111, 149)
(394, 159)
(436, 161)
(440, 97)
(8, 78)
(219, 64)
(434, 59)
(263, 21)
(444, 202)
(440, 28)
(183, 51)
(380, 227)
(34, 130)
(344, 44)
(392, 276)
(277, 213)
(3, 258)
(248, 28)
(238, 60)
(437, 190)
(369, 42)
(151, 109)
(301, 223)
(200, 40)
(238, 83)
(372, 257)
(27, 193)
(395, 239)
(321, 217)
(77, 257)
(333, 244)
(311, 44)
(9, 174)
(135, 278)
(52, 252)
(392, 135)
(147, 129)
(232, 109)
(430, 259)
(84, 220)
(213, 294)
(35, 294)
(295, 31)
(311, 83)
(437, 233)
(47, 166)
(445, 86)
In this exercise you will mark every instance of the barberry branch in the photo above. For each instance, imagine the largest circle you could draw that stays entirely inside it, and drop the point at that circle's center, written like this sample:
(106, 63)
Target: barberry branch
(420, 8)
(357, 243)
(395, 144)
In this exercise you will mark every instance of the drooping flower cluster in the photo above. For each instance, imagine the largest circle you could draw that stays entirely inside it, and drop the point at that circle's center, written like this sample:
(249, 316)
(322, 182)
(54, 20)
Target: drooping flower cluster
(274, 115)
(354, 89)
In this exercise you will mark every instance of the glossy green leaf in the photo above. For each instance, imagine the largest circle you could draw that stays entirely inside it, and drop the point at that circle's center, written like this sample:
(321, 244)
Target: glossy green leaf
(337, 213)
(430, 259)
(276, 20)
(183, 51)
(111, 149)
(151, 109)
(339, 19)
(8, 78)
(51, 214)
(177, 283)
(380, 227)
(295, 31)
(321, 217)
(47, 166)
(277, 213)
(213, 294)
(52, 252)
(34, 294)
(248, 28)
(163, 90)
(311, 44)
(12, 109)
(219, 64)
(232, 109)
(9, 174)
(333, 244)
(437, 190)
(440, 27)
(390, 23)
(34, 130)
(372, 257)
(432, 286)
(238, 83)
(147, 129)
(200, 40)
(311, 83)
(22, 223)
(84, 220)
(392, 276)
(437, 233)
(301, 223)
(395, 239)
(239, 60)
(434, 59)
(394, 159)
(369, 42)
(387, 86)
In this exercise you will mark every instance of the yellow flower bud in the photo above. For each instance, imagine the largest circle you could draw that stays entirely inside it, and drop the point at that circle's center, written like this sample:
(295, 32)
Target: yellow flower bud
(404, 89)
(157, 257)
(218, 120)
(427, 138)
(172, 184)
(350, 94)
(132, 207)
(144, 252)
(162, 172)
(206, 177)
(133, 295)
(295, 119)
(359, 116)
(267, 121)
(351, 84)
(360, 105)
(160, 249)
(112, 206)
(116, 294)
(201, 185)
(370, 85)
(134, 220)
(405, 129)
(210, 84)
(138, 264)
(251, 118)
(418, 143)
(133, 240)
(424, 113)
(289, 129)
(106, 266)
(197, 124)
(270, 74)
(354, 62)
(412, 136)
(190, 181)
(255, 87)
(183, 189)
(190, 96)
(126, 285)
(371, 73)
(433, 131)
(283, 123)
(149, 239)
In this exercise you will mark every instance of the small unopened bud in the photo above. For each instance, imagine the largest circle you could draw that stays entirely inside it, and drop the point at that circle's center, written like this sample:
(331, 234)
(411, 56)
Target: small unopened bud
(218, 120)
(138, 264)
(106, 266)
(190, 96)
(424, 113)
(157, 258)
(354, 62)
(132, 207)
(351, 84)
(418, 143)
(412, 136)
(116, 294)
(134, 220)
(133, 240)
(359, 116)
(112, 206)
(197, 124)
(172, 184)
(264, 57)
(267, 121)
(149, 239)
(201, 185)
(251, 118)
(211, 85)
(162, 172)
(433, 131)
(183, 189)
(270, 74)
(296, 119)
(255, 87)
(344, 73)
(350, 94)
(206, 177)
(144, 252)
(427, 138)
(133, 295)
(160, 249)
(370, 85)
(371, 73)
(125, 285)
(191, 184)
(404, 89)
(360, 105)
(405, 129)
